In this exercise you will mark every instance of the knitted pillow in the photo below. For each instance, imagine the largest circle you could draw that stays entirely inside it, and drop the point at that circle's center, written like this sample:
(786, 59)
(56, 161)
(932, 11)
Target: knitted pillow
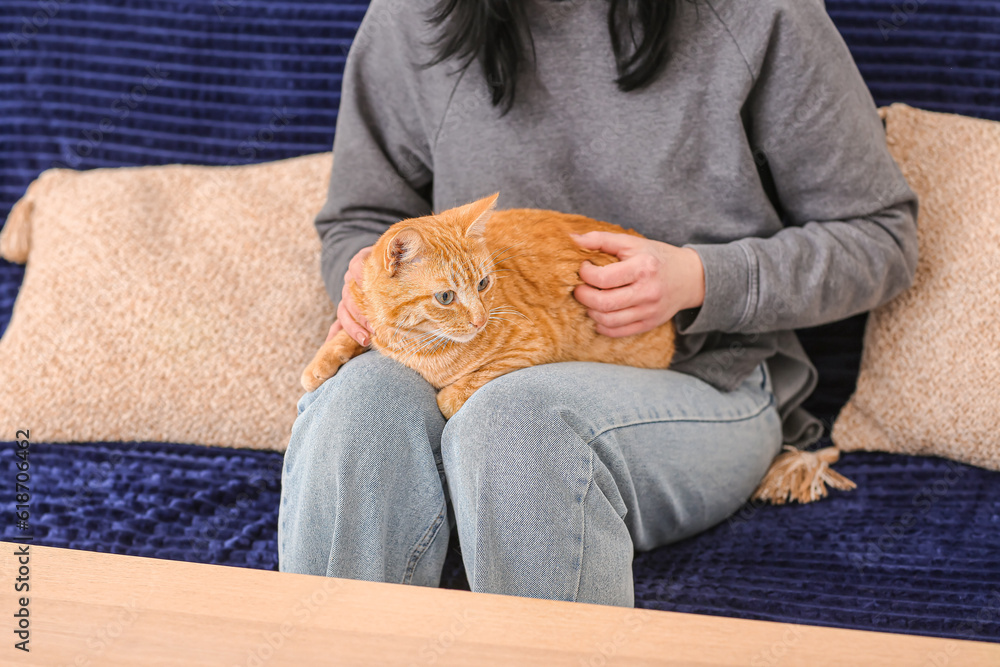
(176, 303)
(931, 361)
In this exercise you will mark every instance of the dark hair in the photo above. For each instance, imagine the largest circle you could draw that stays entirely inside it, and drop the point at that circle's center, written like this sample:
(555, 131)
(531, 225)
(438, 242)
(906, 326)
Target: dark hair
(495, 33)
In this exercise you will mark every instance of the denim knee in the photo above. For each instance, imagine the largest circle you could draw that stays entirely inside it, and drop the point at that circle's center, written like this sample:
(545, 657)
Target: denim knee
(512, 430)
(365, 406)
(362, 492)
(538, 513)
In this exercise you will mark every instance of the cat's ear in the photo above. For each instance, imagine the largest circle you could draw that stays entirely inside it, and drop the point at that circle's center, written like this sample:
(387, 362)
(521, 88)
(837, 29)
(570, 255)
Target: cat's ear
(402, 249)
(479, 213)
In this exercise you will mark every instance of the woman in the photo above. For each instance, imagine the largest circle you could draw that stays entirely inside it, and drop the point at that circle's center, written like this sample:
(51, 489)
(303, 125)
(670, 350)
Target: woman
(737, 136)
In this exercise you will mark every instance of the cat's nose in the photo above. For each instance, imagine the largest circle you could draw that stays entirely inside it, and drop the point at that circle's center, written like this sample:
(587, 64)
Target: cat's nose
(478, 321)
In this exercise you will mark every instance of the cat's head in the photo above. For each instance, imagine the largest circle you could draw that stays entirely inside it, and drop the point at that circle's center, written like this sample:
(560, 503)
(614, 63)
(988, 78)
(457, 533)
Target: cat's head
(433, 275)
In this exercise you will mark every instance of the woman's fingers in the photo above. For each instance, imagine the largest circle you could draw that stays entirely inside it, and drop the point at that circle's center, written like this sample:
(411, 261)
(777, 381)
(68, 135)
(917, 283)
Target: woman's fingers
(353, 320)
(349, 315)
(622, 318)
(335, 329)
(356, 315)
(610, 300)
(609, 276)
(609, 242)
(650, 283)
(349, 322)
(628, 330)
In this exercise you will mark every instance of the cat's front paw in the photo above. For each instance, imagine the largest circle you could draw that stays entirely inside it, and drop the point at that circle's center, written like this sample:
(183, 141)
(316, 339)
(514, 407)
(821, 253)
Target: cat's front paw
(335, 353)
(319, 371)
(450, 399)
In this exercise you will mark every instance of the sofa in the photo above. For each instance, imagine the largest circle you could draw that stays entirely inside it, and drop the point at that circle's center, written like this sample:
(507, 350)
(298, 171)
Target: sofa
(214, 76)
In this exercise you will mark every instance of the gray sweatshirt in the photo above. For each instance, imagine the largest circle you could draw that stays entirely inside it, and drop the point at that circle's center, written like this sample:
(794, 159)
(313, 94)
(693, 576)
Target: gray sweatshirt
(758, 145)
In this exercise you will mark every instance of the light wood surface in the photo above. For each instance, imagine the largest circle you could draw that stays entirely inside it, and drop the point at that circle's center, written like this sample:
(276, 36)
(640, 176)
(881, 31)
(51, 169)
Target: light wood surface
(90, 609)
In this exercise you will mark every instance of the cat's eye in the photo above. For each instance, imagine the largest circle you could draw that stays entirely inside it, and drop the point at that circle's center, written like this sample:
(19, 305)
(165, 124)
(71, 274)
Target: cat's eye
(484, 283)
(444, 298)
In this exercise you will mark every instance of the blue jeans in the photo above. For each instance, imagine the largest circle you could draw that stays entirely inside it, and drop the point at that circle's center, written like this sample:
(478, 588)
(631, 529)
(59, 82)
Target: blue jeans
(554, 474)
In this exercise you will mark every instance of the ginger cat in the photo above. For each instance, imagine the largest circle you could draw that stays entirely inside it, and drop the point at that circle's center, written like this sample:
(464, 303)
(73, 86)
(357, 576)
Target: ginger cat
(469, 294)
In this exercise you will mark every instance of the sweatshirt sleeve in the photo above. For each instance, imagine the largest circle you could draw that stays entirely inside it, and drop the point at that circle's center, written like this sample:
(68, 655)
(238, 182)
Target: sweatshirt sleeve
(382, 171)
(848, 242)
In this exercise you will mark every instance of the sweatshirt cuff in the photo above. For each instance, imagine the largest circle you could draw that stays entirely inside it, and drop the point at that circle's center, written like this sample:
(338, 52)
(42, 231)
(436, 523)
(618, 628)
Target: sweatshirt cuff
(730, 289)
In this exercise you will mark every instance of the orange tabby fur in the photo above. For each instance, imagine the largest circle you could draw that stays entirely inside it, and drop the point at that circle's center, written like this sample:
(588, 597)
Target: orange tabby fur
(525, 316)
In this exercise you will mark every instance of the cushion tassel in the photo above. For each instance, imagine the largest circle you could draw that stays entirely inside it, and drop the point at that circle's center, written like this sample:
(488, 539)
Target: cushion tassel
(798, 475)
(15, 237)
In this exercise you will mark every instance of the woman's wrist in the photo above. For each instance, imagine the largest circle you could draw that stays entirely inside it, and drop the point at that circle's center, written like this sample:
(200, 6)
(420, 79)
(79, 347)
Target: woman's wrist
(694, 281)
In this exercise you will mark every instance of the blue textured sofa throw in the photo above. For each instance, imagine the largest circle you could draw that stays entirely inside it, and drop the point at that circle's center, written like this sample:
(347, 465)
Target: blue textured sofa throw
(104, 83)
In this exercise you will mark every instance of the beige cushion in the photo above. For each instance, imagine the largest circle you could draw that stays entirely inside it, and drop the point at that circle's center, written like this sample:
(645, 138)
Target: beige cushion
(930, 370)
(176, 303)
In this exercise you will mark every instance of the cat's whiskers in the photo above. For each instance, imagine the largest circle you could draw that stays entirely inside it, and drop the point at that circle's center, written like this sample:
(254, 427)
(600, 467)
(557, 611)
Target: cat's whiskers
(491, 259)
(505, 249)
(442, 342)
(507, 259)
(489, 265)
(506, 309)
(420, 335)
(420, 350)
(406, 336)
(395, 333)
(493, 256)
(415, 342)
(435, 337)
(406, 360)
(467, 264)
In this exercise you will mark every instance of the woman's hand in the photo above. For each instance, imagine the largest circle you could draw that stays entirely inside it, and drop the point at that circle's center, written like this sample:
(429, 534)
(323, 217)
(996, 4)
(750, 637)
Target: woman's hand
(349, 317)
(649, 284)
